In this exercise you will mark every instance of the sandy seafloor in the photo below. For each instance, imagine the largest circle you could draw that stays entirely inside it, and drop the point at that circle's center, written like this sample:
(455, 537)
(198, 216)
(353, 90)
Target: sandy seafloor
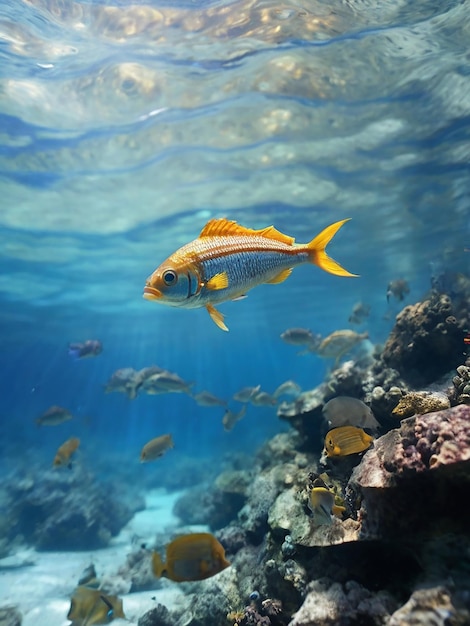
(42, 591)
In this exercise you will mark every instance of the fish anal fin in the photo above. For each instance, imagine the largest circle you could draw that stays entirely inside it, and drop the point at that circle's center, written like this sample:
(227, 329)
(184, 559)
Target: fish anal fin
(216, 316)
(223, 227)
(218, 281)
(281, 277)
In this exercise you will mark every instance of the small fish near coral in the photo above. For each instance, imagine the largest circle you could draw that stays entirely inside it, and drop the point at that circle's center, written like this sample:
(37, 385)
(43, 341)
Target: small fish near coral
(155, 448)
(346, 440)
(92, 606)
(227, 260)
(87, 349)
(195, 556)
(322, 504)
(65, 452)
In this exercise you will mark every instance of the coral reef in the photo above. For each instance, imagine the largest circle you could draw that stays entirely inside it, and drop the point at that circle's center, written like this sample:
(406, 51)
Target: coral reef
(68, 511)
(419, 470)
(329, 604)
(421, 402)
(158, 616)
(437, 606)
(426, 341)
(10, 616)
(460, 392)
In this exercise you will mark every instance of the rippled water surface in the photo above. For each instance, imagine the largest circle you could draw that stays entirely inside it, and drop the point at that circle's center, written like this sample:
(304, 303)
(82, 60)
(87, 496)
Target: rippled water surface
(124, 127)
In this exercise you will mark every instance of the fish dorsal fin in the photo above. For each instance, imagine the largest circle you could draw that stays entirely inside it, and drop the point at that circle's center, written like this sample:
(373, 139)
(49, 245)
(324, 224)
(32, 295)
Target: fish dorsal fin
(223, 227)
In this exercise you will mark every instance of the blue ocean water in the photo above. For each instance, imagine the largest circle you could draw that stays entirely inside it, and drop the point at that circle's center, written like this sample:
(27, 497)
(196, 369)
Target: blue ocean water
(125, 127)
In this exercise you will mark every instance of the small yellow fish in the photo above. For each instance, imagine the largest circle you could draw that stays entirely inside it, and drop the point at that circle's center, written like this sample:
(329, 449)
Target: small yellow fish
(227, 260)
(92, 606)
(53, 416)
(346, 440)
(195, 556)
(65, 451)
(322, 504)
(156, 448)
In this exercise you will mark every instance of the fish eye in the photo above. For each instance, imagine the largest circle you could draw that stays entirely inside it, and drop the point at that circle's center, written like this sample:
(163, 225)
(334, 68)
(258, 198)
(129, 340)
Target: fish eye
(170, 277)
(254, 595)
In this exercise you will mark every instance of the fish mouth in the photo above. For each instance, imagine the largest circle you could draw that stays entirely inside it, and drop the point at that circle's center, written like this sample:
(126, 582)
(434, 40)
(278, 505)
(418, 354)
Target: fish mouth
(150, 293)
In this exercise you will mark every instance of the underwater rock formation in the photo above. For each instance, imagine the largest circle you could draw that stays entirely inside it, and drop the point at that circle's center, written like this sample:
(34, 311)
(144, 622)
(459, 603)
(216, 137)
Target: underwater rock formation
(210, 505)
(68, 511)
(329, 604)
(436, 606)
(422, 468)
(10, 616)
(426, 341)
(158, 616)
(460, 392)
(421, 402)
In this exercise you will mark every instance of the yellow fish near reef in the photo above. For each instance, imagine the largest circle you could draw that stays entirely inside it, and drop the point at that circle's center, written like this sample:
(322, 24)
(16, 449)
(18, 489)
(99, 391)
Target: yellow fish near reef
(227, 260)
(322, 504)
(346, 440)
(92, 606)
(156, 448)
(191, 557)
(65, 452)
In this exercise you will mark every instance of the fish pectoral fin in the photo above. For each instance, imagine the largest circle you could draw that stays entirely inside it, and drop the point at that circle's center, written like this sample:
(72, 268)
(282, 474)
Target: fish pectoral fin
(281, 277)
(218, 281)
(216, 316)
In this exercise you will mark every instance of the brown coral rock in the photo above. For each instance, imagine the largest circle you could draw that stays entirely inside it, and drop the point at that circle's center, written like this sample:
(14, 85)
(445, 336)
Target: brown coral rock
(421, 402)
(426, 341)
(415, 476)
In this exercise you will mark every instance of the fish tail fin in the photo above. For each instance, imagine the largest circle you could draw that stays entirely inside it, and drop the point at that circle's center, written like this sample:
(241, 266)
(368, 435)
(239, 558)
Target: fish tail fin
(318, 254)
(158, 566)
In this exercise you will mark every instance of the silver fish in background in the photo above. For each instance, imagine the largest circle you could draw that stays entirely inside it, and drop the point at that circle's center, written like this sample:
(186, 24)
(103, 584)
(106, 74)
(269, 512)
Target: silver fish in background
(288, 388)
(230, 418)
(339, 343)
(263, 398)
(360, 312)
(348, 411)
(54, 416)
(87, 349)
(246, 393)
(205, 398)
(166, 382)
(398, 289)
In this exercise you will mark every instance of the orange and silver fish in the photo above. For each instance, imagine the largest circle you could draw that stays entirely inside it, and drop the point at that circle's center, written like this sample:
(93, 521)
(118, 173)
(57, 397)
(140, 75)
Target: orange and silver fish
(227, 260)
(195, 556)
(65, 452)
(346, 440)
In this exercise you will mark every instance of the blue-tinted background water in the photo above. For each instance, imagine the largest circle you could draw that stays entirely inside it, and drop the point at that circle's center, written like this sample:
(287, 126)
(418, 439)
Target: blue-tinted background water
(124, 127)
